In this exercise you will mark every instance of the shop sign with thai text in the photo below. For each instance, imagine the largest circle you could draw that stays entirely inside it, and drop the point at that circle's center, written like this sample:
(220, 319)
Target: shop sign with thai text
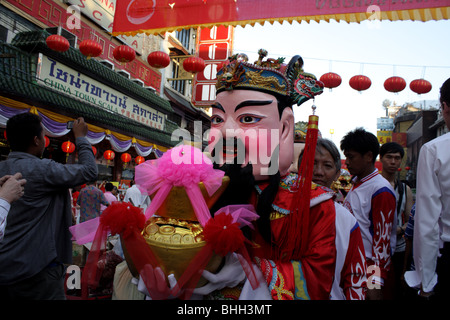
(60, 77)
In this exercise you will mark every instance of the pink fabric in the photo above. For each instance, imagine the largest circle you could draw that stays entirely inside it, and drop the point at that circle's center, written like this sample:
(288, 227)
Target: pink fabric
(182, 166)
(85, 232)
(110, 198)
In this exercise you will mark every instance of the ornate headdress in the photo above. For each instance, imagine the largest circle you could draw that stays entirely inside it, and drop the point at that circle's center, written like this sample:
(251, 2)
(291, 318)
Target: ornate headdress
(270, 76)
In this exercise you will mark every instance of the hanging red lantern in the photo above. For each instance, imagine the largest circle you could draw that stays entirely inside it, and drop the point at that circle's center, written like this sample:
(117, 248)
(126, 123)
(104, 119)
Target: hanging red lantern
(194, 64)
(158, 59)
(109, 155)
(407, 168)
(395, 84)
(331, 80)
(47, 141)
(126, 157)
(360, 83)
(90, 48)
(94, 150)
(124, 54)
(57, 42)
(68, 147)
(138, 160)
(420, 86)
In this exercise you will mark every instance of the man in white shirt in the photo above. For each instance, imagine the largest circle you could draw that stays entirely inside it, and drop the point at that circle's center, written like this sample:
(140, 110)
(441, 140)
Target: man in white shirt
(11, 189)
(372, 201)
(135, 197)
(432, 218)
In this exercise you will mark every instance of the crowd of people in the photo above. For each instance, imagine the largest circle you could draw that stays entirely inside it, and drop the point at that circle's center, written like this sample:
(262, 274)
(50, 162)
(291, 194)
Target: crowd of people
(357, 246)
(91, 199)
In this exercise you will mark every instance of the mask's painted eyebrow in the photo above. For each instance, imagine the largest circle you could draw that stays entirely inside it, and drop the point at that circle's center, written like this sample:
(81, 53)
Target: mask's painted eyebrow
(218, 106)
(249, 103)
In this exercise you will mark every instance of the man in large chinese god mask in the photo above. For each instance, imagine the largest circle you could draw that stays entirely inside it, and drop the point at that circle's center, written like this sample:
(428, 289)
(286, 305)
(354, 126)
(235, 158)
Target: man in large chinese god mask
(252, 140)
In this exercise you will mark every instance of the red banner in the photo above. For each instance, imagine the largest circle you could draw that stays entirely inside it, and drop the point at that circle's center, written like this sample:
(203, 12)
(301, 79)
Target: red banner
(156, 16)
(400, 138)
(214, 46)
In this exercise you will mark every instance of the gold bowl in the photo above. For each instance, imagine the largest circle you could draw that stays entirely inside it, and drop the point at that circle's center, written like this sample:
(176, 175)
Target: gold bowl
(178, 205)
(175, 243)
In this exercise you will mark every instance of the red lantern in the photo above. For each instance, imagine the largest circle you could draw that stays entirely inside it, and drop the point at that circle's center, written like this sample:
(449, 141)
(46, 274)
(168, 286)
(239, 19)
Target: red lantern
(138, 160)
(395, 84)
(90, 48)
(57, 42)
(331, 80)
(68, 147)
(420, 86)
(158, 59)
(47, 141)
(360, 83)
(94, 150)
(126, 157)
(194, 64)
(124, 54)
(109, 155)
(407, 168)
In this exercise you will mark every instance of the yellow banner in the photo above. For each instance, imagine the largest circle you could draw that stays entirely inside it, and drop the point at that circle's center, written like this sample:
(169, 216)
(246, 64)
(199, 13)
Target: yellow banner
(384, 136)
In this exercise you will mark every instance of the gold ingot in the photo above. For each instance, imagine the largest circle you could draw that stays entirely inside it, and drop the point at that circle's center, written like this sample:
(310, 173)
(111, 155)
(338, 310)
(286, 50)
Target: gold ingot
(178, 205)
(175, 243)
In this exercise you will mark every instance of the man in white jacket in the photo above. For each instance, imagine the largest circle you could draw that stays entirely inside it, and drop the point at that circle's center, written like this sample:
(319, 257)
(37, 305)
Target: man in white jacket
(135, 197)
(432, 219)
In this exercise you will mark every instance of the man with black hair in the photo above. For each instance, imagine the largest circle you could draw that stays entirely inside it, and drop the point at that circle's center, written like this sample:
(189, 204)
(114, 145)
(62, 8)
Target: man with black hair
(372, 201)
(37, 240)
(432, 218)
(391, 155)
(109, 194)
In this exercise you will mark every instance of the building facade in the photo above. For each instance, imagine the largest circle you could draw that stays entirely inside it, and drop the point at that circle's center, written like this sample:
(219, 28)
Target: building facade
(131, 108)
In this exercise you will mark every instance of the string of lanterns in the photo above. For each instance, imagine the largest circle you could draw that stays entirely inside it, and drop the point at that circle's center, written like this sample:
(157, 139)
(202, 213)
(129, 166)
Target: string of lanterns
(124, 53)
(68, 147)
(361, 82)
(194, 64)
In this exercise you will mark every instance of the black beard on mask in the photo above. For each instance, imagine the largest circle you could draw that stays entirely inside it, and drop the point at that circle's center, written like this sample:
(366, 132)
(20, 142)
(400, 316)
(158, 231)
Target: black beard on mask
(242, 184)
(242, 180)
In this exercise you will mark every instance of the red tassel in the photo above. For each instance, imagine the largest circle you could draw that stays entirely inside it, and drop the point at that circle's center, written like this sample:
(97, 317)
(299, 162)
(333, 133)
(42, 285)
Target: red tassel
(295, 242)
(128, 221)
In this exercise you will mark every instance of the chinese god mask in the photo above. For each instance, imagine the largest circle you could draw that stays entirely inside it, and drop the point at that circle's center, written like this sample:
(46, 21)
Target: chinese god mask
(252, 118)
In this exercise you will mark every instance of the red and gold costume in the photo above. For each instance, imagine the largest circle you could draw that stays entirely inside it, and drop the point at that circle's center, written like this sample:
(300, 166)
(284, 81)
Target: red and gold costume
(309, 276)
